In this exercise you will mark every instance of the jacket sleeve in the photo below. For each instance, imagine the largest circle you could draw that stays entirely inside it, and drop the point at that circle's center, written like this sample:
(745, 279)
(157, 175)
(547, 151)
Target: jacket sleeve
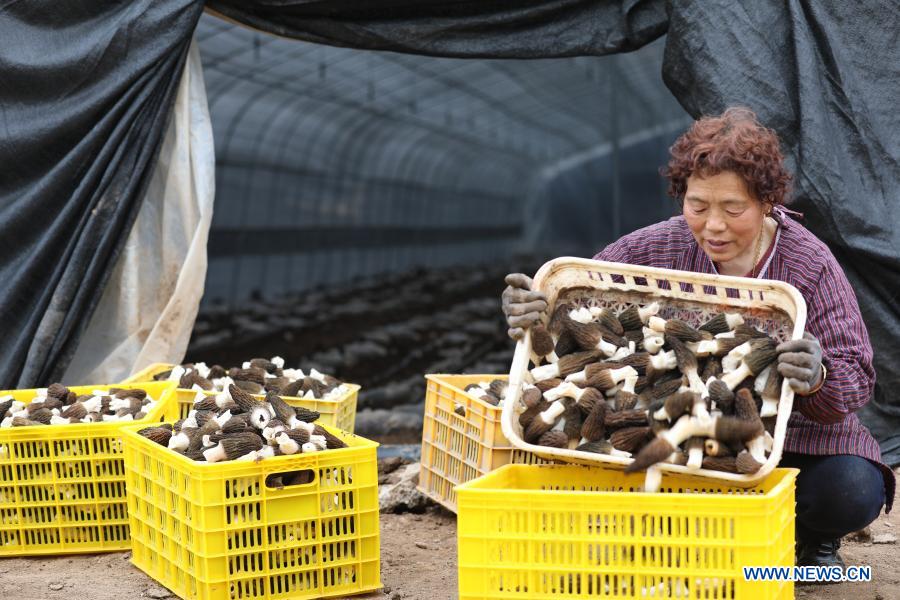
(833, 317)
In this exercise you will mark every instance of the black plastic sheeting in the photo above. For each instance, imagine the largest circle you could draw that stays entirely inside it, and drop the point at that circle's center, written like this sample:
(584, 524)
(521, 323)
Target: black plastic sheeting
(462, 28)
(85, 92)
(825, 77)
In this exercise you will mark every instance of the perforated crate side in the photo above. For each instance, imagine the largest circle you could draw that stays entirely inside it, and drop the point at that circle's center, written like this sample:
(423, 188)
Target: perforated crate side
(217, 531)
(577, 532)
(457, 448)
(62, 487)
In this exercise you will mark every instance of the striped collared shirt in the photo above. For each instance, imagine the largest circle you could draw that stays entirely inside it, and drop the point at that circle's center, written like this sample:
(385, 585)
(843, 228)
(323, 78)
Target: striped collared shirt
(823, 423)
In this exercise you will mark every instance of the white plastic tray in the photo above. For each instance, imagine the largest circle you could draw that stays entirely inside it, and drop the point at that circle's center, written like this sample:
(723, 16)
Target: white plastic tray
(773, 306)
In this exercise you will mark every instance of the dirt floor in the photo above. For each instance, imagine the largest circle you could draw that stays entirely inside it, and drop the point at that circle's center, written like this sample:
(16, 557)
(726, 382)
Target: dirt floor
(418, 562)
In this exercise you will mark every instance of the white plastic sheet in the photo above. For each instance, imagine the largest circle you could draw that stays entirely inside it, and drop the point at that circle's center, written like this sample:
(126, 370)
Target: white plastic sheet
(148, 308)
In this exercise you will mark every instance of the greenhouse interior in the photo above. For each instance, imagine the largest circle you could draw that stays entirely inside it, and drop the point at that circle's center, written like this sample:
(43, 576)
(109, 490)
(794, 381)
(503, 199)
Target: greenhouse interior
(392, 194)
(435, 300)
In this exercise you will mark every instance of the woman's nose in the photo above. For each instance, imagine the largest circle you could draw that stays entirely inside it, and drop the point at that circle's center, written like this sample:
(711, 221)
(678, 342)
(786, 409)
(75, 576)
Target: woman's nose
(715, 223)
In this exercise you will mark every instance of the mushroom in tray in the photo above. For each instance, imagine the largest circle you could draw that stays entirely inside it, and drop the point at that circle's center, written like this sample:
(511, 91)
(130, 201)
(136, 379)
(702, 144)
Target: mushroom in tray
(600, 376)
(542, 345)
(722, 322)
(687, 411)
(761, 354)
(728, 429)
(566, 365)
(770, 392)
(635, 317)
(602, 447)
(675, 328)
(544, 422)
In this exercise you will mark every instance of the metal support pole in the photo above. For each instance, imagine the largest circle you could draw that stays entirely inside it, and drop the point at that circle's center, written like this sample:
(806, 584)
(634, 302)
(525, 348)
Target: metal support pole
(615, 81)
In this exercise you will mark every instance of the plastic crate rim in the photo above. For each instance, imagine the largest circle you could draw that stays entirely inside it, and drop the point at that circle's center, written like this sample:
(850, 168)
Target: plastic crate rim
(130, 432)
(104, 427)
(787, 477)
(435, 377)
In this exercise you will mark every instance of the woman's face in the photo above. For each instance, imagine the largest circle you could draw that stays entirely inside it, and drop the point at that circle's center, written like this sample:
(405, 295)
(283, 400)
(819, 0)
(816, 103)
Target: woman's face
(724, 218)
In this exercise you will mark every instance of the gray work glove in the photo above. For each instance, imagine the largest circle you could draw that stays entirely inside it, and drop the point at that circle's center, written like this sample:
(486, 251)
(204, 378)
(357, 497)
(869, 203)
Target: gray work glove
(521, 306)
(800, 362)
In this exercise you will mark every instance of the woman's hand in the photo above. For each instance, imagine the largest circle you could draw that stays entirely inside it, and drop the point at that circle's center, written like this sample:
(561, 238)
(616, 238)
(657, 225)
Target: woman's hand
(800, 362)
(521, 306)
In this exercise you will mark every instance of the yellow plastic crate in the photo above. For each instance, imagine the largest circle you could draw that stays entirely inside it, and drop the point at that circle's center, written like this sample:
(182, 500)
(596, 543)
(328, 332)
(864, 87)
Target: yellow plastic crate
(62, 487)
(570, 531)
(458, 448)
(339, 413)
(148, 373)
(216, 531)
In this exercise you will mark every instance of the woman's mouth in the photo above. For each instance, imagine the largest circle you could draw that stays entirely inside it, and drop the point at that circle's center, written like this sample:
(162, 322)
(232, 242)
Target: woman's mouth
(717, 244)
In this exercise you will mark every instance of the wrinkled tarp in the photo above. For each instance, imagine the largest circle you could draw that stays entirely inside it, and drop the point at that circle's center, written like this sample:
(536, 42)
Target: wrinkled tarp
(86, 89)
(824, 76)
(148, 308)
(461, 28)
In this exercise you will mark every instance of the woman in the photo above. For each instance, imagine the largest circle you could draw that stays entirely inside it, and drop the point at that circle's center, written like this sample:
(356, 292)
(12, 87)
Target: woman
(728, 174)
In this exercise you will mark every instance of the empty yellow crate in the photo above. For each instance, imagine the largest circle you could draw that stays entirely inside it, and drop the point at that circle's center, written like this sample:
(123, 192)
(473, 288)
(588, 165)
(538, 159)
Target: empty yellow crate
(62, 487)
(458, 448)
(570, 531)
(339, 413)
(216, 531)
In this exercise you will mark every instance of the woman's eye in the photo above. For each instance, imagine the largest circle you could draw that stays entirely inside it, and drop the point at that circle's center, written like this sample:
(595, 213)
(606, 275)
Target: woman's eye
(735, 212)
(698, 210)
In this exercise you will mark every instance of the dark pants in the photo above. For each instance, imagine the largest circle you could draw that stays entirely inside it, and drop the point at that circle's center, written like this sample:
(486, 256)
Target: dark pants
(836, 495)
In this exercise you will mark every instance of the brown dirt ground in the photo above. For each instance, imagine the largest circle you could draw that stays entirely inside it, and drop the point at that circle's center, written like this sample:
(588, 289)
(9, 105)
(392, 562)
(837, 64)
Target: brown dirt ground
(418, 562)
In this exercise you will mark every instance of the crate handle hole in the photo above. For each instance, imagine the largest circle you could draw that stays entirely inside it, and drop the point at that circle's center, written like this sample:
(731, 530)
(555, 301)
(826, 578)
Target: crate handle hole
(289, 479)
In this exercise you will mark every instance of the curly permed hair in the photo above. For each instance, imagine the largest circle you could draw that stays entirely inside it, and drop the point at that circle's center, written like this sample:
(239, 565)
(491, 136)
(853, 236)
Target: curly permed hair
(734, 141)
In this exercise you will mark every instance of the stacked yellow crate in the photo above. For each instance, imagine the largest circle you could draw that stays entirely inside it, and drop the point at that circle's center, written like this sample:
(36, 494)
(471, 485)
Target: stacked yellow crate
(461, 437)
(569, 531)
(62, 487)
(218, 531)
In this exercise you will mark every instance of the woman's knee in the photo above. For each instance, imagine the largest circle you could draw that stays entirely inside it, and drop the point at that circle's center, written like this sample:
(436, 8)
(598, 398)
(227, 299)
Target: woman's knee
(839, 494)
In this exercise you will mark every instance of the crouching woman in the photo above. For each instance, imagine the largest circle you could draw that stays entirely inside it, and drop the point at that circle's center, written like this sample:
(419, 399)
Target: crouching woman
(729, 176)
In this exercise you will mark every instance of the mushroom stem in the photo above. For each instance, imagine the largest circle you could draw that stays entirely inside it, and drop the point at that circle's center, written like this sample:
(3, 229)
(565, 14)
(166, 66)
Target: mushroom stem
(699, 409)
(695, 452)
(735, 377)
(623, 351)
(548, 371)
(566, 389)
(653, 340)
(703, 347)
(733, 359)
(652, 480)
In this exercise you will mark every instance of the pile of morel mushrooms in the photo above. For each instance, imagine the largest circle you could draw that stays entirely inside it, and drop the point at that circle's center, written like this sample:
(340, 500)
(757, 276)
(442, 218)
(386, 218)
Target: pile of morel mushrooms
(257, 376)
(58, 405)
(635, 385)
(492, 392)
(232, 425)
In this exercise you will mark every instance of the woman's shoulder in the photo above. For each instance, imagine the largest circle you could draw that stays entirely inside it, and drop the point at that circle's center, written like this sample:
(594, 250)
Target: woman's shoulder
(672, 232)
(801, 248)
(655, 245)
(806, 262)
